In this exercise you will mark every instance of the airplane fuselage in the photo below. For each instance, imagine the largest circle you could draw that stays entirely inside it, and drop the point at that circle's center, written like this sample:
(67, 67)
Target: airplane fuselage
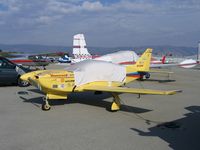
(59, 83)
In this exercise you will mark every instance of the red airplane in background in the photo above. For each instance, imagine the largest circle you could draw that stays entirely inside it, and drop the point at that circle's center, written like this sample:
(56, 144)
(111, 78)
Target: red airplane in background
(30, 60)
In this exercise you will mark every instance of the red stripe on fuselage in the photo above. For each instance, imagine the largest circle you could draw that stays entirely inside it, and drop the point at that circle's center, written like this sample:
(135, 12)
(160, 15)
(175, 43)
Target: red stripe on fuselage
(21, 61)
(127, 63)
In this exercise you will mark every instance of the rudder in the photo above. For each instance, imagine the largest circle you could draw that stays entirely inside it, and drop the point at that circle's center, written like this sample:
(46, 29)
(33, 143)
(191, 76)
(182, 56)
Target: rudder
(144, 61)
(79, 47)
(142, 64)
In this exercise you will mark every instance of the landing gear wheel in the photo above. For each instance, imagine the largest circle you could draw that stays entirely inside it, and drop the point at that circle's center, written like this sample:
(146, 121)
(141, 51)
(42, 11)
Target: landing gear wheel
(147, 76)
(116, 103)
(22, 83)
(46, 107)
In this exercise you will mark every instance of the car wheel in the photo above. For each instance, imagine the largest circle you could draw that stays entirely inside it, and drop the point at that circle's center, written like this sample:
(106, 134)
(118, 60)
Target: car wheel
(22, 83)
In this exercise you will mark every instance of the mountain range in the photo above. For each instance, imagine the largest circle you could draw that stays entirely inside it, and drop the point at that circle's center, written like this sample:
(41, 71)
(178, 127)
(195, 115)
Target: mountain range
(180, 51)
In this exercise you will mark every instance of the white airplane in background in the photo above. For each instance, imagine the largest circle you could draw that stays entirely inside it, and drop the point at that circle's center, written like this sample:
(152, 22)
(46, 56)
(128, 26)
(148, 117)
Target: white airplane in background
(80, 50)
(126, 58)
(81, 53)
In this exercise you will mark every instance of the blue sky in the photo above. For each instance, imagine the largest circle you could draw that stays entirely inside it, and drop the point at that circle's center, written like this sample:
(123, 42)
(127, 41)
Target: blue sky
(105, 23)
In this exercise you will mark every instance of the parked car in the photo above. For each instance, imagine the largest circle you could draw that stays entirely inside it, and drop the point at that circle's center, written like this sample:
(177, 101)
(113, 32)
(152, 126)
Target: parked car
(10, 73)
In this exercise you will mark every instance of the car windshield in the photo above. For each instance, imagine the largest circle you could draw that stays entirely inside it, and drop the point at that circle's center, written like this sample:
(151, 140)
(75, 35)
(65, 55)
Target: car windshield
(6, 64)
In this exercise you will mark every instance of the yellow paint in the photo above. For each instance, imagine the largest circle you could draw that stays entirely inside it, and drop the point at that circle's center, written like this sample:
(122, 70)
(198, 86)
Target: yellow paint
(116, 102)
(53, 96)
(145, 60)
(115, 106)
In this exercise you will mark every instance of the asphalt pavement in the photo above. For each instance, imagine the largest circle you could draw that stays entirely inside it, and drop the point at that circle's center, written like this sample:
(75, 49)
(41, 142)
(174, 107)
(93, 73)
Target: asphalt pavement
(83, 122)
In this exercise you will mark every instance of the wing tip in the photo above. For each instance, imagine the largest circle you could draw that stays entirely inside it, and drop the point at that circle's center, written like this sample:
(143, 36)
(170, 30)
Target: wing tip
(173, 92)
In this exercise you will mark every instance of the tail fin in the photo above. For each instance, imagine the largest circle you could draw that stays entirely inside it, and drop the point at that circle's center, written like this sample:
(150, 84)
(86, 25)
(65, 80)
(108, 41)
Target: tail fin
(163, 59)
(142, 64)
(79, 47)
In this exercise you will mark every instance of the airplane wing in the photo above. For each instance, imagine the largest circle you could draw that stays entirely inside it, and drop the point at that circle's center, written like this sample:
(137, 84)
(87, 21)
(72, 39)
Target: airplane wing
(129, 90)
(162, 65)
(188, 63)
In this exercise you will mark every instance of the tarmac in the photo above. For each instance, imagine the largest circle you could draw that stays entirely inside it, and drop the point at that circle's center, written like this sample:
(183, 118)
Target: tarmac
(83, 122)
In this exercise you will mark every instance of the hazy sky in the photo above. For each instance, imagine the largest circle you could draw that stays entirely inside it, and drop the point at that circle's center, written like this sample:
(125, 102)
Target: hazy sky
(104, 22)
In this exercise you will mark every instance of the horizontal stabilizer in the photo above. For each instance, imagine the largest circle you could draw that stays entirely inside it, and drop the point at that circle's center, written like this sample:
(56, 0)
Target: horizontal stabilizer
(129, 90)
(161, 71)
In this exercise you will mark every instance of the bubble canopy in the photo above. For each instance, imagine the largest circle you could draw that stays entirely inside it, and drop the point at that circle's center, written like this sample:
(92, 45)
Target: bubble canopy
(94, 70)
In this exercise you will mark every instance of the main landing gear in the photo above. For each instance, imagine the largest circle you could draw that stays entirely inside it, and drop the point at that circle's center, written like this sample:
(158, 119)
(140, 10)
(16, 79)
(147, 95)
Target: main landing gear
(45, 105)
(116, 103)
(146, 75)
(114, 107)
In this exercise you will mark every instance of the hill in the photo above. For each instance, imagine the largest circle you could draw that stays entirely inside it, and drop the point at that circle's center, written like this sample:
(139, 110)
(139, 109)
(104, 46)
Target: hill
(158, 50)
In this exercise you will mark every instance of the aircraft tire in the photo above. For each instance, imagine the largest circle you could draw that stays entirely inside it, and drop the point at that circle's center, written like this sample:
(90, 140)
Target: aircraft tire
(147, 76)
(22, 83)
(46, 107)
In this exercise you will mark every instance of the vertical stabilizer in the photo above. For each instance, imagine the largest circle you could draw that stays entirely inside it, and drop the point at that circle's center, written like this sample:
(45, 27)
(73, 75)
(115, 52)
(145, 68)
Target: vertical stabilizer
(79, 47)
(144, 61)
(142, 64)
(163, 59)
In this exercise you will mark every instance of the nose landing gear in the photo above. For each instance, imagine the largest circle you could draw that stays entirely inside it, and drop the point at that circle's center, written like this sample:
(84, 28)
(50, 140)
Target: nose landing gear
(45, 105)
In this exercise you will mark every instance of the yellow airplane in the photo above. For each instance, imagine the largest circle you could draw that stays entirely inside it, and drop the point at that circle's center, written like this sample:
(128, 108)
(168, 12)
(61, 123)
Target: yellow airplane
(92, 75)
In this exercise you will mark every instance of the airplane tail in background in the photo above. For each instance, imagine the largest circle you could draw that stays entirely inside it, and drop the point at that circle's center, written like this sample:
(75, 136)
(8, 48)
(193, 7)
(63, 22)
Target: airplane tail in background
(79, 47)
(163, 59)
(142, 64)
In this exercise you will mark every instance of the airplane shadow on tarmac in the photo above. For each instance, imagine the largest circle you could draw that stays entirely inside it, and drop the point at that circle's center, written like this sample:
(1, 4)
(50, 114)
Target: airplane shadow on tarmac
(87, 98)
(181, 134)
(161, 80)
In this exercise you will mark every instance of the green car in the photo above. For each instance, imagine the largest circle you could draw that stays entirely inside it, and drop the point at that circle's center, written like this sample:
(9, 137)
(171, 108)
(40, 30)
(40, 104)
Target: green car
(10, 73)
